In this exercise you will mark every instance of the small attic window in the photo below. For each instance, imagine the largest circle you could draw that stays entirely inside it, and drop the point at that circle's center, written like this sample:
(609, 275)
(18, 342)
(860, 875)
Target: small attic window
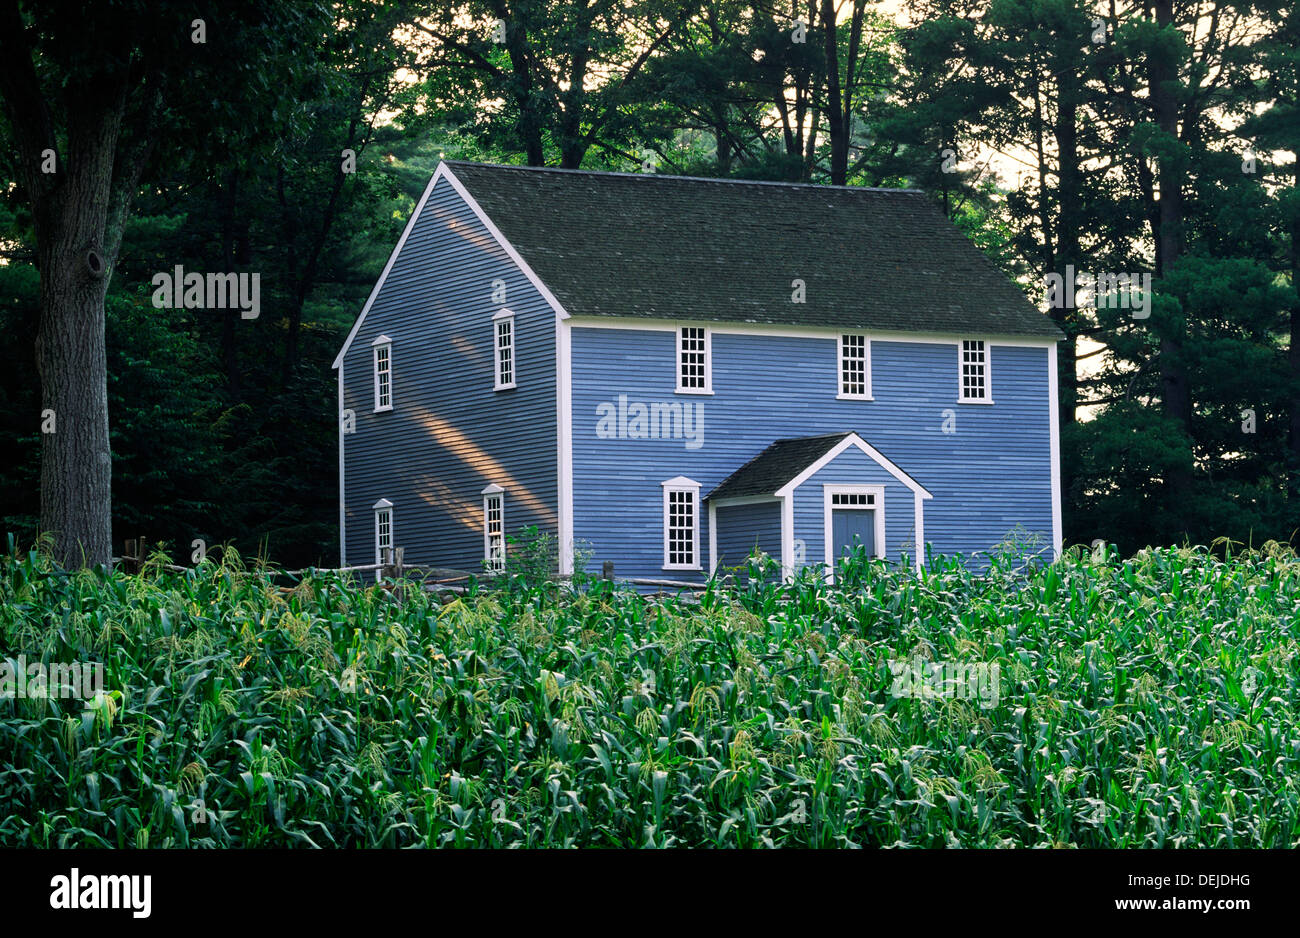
(503, 331)
(383, 347)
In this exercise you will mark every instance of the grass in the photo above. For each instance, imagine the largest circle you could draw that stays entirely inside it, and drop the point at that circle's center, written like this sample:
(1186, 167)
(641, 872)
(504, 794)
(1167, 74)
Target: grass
(1146, 702)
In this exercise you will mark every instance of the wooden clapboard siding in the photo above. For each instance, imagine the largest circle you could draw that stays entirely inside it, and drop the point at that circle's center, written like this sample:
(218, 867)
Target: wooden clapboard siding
(449, 433)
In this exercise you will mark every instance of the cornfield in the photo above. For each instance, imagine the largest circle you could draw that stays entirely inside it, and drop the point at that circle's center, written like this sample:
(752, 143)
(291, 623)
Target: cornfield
(1141, 702)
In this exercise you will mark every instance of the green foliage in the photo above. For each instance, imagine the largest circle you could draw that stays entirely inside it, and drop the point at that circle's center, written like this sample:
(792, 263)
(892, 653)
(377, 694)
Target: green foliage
(1147, 702)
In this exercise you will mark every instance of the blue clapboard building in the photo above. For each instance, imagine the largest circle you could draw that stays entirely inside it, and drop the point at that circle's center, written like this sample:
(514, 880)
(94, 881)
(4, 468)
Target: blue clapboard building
(671, 372)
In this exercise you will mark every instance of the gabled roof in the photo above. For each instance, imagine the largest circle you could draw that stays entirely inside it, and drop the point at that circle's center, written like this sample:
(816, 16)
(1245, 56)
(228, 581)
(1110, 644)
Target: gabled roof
(786, 464)
(775, 466)
(681, 248)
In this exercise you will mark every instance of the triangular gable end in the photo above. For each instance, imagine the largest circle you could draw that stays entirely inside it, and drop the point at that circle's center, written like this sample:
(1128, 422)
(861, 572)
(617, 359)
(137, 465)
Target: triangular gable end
(874, 454)
(444, 172)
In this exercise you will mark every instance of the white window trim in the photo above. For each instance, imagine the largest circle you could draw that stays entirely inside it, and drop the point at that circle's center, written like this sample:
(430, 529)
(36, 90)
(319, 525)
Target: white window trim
(683, 484)
(830, 489)
(494, 491)
(988, 374)
(498, 384)
(381, 506)
(384, 342)
(708, 361)
(841, 394)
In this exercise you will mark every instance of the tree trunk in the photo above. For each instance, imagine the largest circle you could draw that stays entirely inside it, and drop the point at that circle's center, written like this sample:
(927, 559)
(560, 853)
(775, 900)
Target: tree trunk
(71, 357)
(1293, 477)
(1175, 392)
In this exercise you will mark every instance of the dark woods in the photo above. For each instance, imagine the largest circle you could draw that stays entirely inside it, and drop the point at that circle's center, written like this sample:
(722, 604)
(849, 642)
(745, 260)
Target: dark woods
(290, 142)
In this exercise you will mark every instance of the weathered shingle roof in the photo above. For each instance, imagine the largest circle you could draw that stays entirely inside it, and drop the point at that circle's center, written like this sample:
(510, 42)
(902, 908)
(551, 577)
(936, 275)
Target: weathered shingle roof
(672, 247)
(776, 465)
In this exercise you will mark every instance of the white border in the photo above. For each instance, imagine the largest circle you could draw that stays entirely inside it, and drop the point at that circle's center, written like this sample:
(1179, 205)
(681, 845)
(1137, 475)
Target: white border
(649, 324)
(382, 341)
(378, 508)
(1054, 417)
(840, 393)
(343, 512)
(498, 385)
(830, 489)
(564, 442)
(683, 484)
(708, 361)
(494, 491)
(988, 373)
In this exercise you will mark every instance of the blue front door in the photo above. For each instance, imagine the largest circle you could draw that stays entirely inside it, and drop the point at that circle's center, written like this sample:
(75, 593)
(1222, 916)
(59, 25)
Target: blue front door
(851, 527)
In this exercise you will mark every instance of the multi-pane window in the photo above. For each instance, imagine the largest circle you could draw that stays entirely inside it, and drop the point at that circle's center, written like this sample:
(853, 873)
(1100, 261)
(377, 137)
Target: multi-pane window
(855, 371)
(383, 530)
(974, 371)
(681, 524)
(692, 359)
(504, 331)
(383, 373)
(494, 532)
(852, 500)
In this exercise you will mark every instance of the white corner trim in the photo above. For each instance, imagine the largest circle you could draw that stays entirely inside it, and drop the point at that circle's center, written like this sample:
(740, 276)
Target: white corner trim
(853, 440)
(444, 172)
(918, 523)
(343, 513)
(833, 488)
(564, 442)
(787, 535)
(1054, 430)
(713, 538)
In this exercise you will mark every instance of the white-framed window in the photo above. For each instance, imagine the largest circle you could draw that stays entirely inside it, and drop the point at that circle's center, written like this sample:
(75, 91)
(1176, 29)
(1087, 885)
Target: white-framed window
(383, 347)
(503, 343)
(974, 372)
(681, 524)
(494, 528)
(694, 368)
(383, 528)
(855, 366)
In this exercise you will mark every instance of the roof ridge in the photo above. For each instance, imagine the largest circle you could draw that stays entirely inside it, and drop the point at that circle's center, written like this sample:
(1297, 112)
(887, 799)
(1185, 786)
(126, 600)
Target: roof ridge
(668, 176)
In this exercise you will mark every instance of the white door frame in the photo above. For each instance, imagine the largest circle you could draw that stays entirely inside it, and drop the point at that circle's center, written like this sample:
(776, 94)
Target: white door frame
(830, 489)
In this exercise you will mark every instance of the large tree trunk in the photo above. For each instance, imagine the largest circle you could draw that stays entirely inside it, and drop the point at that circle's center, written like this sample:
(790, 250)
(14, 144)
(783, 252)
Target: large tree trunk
(76, 254)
